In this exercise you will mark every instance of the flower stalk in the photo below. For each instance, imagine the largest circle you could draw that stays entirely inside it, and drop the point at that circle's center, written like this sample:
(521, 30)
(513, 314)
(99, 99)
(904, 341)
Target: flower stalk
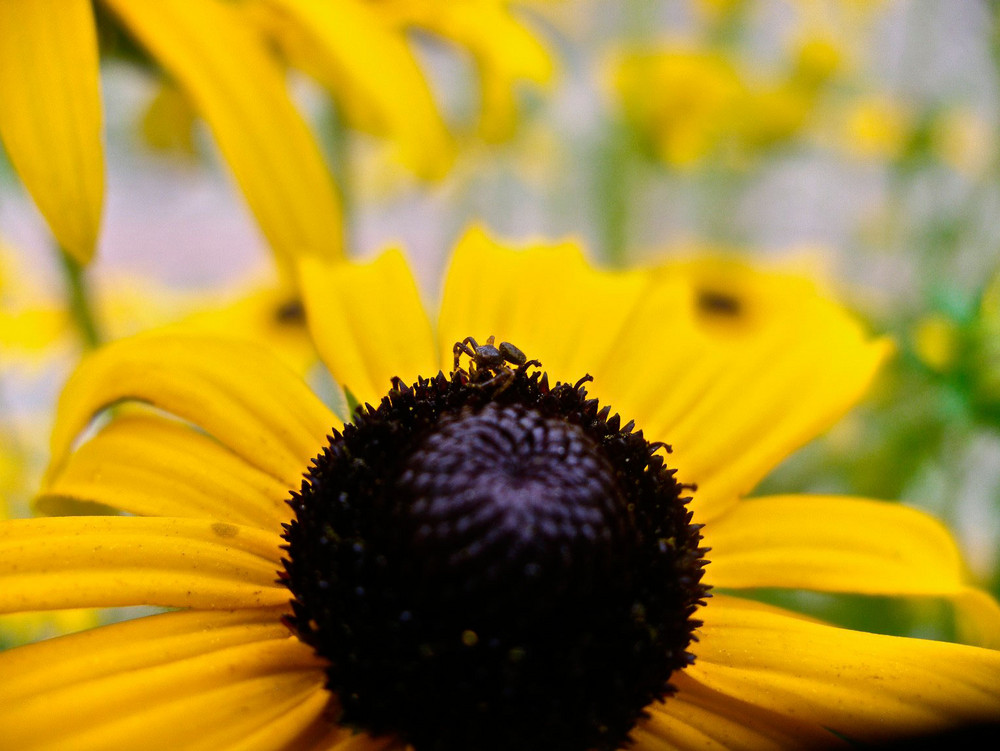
(79, 301)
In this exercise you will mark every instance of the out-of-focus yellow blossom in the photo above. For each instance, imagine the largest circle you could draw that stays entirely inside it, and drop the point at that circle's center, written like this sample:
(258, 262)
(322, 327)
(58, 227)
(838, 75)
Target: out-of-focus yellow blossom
(222, 56)
(937, 342)
(716, 10)
(774, 116)
(504, 50)
(690, 104)
(964, 140)
(777, 112)
(875, 128)
(262, 312)
(817, 59)
(31, 328)
(369, 69)
(681, 101)
(36, 331)
(250, 308)
(733, 298)
(30, 321)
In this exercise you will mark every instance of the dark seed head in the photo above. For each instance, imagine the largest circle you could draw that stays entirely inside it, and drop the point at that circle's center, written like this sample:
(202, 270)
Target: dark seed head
(714, 302)
(490, 563)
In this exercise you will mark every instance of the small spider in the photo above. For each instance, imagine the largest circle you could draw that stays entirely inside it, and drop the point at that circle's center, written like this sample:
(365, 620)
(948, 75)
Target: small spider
(489, 357)
(486, 356)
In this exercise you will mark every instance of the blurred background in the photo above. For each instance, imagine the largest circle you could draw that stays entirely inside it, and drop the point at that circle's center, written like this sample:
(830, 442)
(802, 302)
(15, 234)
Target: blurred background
(854, 140)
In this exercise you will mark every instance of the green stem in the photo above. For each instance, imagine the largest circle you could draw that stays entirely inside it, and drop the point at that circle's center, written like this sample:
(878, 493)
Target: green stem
(612, 183)
(338, 147)
(79, 301)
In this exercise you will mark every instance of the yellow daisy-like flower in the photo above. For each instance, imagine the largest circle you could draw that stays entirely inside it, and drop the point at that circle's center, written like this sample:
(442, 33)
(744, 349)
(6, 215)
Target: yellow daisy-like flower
(482, 560)
(221, 55)
(689, 104)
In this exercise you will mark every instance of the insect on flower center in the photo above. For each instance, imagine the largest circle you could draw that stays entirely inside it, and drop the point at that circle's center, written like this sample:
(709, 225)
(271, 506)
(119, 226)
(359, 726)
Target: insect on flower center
(489, 562)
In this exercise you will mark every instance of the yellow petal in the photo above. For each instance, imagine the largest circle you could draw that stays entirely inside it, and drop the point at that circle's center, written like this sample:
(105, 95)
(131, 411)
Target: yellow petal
(504, 50)
(370, 67)
(863, 686)
(546, 300)
(758, 364)
(698, 718)
(81, 561)
(832, 544)
(150, 466)
(271, 314)
(50, 113)
(304, 725)
(977, 618)
(179, 680)
(123, 648)
(226, 69)
(368, 323)
(217, 384)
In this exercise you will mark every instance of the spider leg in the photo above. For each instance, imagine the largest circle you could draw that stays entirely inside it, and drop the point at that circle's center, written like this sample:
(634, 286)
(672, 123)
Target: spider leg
(500, 382)
(463, 346)
(527, 364)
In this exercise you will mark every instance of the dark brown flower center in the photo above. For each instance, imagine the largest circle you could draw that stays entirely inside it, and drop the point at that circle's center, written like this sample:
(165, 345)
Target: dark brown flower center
(488, 562)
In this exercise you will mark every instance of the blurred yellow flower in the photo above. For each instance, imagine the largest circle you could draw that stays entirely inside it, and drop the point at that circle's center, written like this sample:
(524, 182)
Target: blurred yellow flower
(689, 104)
(36, 330)
(221, 55)
(504, 50)
(816, 60)
(30, 321)
(937, 342)
(681, 101)
(735, 299)
(964, 140)
(719, 9)
(875, 128)
(252, 307)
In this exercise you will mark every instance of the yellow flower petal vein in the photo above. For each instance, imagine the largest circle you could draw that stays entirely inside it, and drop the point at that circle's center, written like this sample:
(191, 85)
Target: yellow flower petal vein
(70, 562)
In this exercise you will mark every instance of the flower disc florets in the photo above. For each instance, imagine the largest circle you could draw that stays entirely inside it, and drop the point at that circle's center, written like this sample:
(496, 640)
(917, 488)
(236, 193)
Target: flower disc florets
(488, 562)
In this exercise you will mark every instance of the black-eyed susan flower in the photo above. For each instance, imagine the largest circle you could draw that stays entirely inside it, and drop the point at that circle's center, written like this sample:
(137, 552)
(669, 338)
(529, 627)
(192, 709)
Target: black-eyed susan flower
(223, 57)
(498, 551)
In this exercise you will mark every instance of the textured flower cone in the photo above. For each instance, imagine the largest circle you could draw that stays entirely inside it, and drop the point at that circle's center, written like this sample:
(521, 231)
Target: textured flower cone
(734, 376)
